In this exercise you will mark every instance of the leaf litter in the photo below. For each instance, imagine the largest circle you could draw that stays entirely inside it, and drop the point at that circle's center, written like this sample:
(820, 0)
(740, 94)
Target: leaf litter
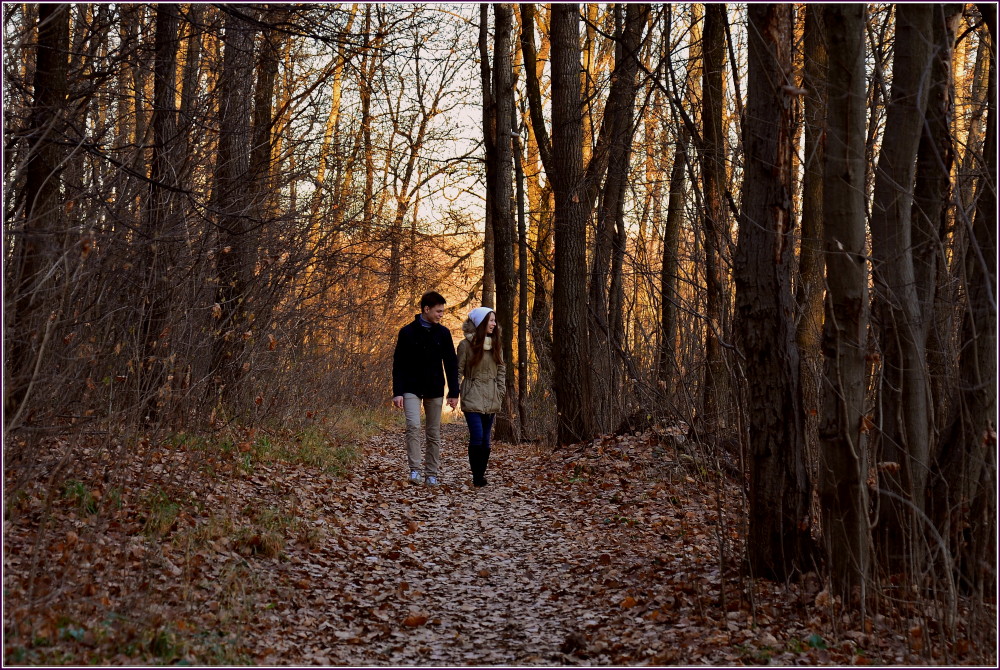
(623, 551)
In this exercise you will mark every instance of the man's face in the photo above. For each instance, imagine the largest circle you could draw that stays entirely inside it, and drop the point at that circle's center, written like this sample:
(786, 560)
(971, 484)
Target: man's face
(434, 314)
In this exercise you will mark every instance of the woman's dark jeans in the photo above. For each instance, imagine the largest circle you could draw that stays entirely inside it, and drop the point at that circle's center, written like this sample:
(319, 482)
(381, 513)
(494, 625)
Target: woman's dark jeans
(480, 428)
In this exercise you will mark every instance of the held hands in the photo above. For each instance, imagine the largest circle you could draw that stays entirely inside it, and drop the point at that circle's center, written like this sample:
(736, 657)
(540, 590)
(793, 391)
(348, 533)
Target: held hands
(398, 402)
(453, 403)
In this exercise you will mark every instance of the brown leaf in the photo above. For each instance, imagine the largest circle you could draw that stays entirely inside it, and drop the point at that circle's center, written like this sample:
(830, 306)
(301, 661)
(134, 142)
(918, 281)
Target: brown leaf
(628, 602)
(415, 620)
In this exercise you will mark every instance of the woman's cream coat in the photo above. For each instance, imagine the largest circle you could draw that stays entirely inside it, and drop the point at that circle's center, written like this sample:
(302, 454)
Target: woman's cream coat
(482, 387)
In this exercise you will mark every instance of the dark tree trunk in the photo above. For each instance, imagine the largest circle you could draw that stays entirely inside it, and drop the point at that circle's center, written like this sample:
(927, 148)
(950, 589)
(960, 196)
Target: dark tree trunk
(905, 414)
(492, 163)
(573, 386)
(231, 200)
(931, 211)
(713, 167)
(502, 201)
(843, 456)
(40, 243)
(810, 286)
(779, 544)
(964, 494)
(162, 236)
(605, 286)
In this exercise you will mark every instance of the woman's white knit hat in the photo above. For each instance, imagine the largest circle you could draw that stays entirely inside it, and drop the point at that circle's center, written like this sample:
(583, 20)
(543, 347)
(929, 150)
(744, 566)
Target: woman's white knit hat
(478, 314)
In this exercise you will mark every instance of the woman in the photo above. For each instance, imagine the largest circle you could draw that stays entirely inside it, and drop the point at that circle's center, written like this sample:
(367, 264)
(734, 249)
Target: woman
(482, 373)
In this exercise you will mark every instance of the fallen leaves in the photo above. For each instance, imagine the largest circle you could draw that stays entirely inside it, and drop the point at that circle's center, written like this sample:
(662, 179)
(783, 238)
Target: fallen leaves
(615, 554)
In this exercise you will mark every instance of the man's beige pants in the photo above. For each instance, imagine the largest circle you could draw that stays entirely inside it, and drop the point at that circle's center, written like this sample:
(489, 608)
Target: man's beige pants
(432, 450)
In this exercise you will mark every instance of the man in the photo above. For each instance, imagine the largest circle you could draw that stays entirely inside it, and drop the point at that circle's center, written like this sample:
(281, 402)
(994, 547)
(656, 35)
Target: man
(423, 349)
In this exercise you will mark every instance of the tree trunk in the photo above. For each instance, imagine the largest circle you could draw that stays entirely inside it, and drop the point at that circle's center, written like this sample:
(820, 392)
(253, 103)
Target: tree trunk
(572, 381)
(231, 200)
(490, 144)
(964, 494)
(810, 286)
(843, 456)
(905, 414)
(779, 544)
(39, 246)
(714, 222)
(160, 253)
(605, 288)
(931, 210)
(503, 219)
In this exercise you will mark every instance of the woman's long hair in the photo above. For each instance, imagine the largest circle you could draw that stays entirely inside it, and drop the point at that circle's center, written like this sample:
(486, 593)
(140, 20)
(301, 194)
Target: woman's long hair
(477, 345)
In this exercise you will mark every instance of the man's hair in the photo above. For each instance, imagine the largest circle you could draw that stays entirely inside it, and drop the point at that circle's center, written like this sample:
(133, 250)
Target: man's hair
(432, 299)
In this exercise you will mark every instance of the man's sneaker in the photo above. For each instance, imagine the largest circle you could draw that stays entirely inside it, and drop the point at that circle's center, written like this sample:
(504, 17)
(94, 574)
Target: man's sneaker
(415, 477)
(431, 480)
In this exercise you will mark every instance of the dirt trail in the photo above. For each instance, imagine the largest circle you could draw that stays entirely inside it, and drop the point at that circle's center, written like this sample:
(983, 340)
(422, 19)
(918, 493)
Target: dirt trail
(523, 572)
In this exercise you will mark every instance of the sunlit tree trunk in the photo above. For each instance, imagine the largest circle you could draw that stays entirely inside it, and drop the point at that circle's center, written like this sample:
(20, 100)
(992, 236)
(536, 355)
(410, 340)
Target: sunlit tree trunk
(779, 543)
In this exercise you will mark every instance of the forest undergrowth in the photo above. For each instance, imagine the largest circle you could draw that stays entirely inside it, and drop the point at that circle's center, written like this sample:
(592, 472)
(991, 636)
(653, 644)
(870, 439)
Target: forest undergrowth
(307, 547)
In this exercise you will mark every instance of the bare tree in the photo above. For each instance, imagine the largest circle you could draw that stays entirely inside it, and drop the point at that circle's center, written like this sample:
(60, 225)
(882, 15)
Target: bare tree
(573, 384)
(905, 415)
(779, 543)
(843, 456)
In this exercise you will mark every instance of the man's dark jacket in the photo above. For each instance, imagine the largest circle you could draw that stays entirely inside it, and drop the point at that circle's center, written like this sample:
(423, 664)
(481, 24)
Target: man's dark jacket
(417, 361)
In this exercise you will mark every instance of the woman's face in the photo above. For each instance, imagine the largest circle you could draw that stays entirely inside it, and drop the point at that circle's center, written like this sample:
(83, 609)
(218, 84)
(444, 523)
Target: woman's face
(491, 324)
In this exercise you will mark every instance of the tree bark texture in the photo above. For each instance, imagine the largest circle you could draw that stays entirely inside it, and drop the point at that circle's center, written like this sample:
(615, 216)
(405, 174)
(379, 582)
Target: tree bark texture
(964, 492)
(231, 199)
(40, 242)
(714, 221)
(905, 414)
(843, 454)
(160, 253)
(502, 204)
(571, 349)
(810, 286)
(779, 543)
(604, 308)
(492, 162)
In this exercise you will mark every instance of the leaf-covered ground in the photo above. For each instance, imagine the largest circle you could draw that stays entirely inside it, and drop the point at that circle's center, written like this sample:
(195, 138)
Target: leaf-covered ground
(625, 553)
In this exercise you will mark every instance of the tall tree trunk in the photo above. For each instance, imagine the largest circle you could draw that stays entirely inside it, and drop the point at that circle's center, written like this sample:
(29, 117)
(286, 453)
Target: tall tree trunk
(931, 210)
(905, 414)
(670, 264)
(503, 219)
(40, 243)
(490, 143)
(779, 544)
(231, 200)
(522, 296)
(605, 288)
(539, 200)
(714, 222)
(160, 253)
(573, 385)
(810, 286)
(843, 456)
(964, 495)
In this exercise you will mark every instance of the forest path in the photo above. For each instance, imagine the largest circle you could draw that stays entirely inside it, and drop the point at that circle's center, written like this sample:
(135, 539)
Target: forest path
(559, 561)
